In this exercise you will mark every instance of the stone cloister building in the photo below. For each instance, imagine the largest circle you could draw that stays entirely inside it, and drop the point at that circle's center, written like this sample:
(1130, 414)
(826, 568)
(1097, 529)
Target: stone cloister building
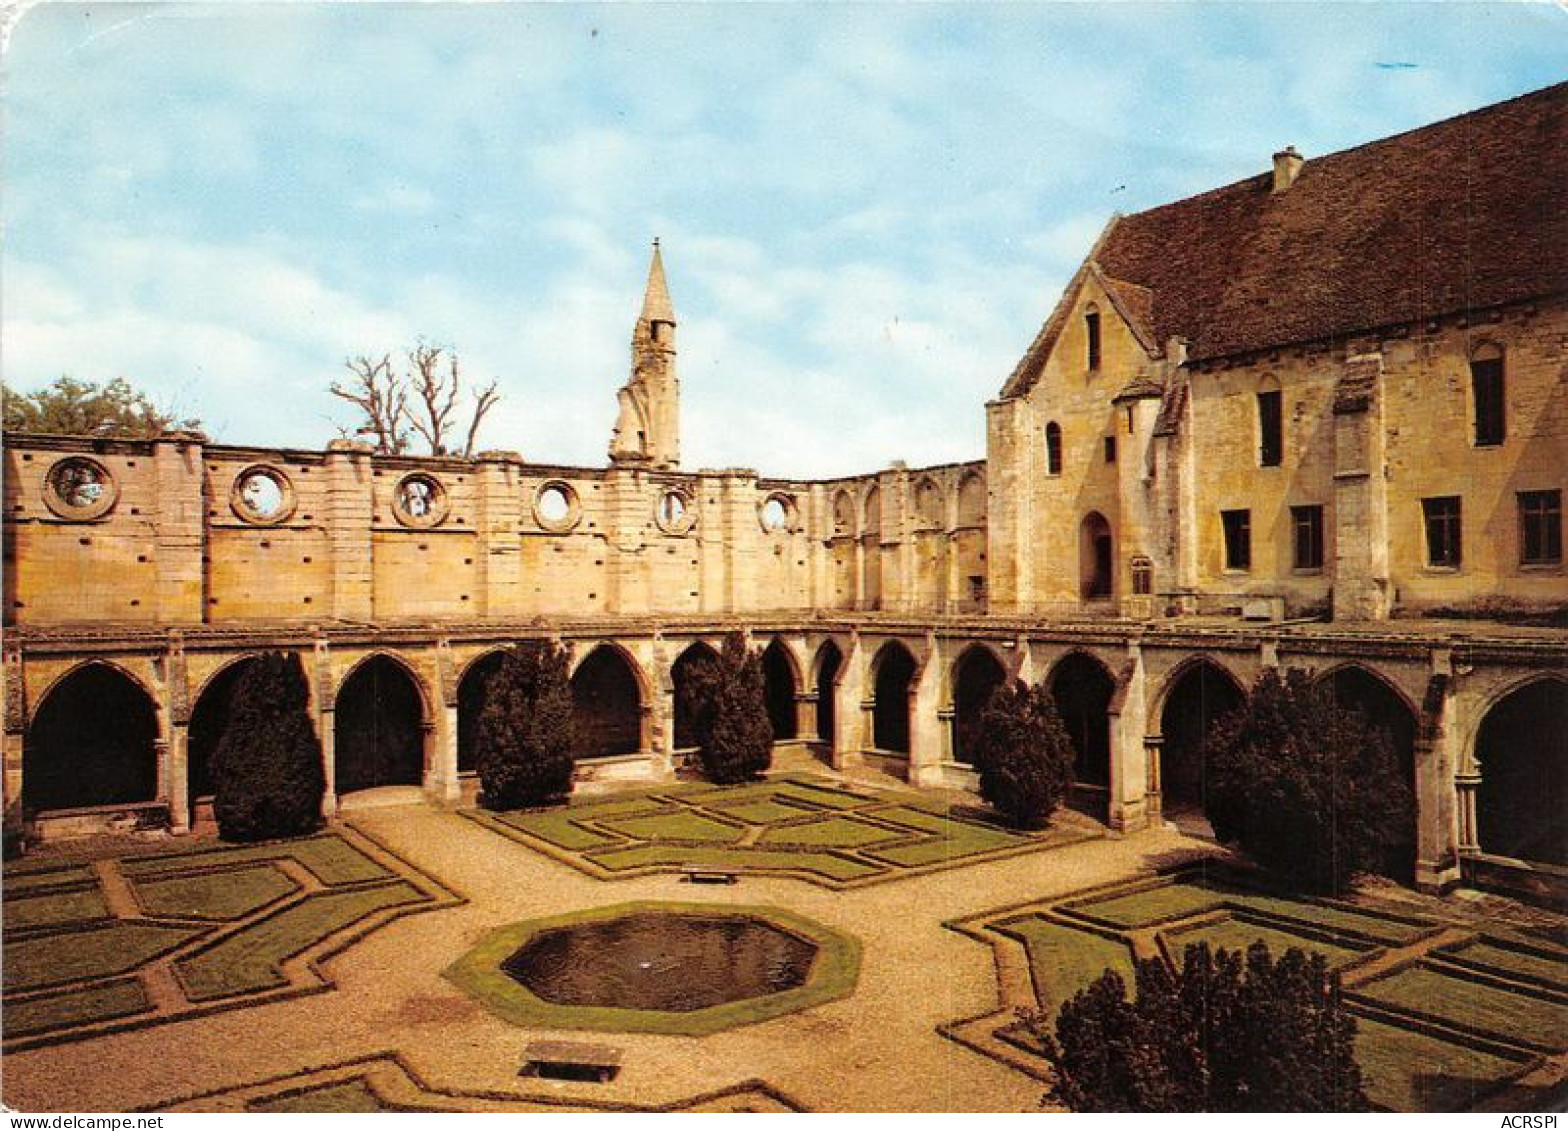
(1315, 418)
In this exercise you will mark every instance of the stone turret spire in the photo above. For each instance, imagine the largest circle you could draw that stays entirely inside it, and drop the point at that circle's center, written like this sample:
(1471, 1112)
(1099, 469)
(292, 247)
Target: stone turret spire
(648, 427)
(656, 304)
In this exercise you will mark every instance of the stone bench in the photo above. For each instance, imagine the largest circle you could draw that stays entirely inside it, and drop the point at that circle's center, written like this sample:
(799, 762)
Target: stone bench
(693, 874)
(571, 1060)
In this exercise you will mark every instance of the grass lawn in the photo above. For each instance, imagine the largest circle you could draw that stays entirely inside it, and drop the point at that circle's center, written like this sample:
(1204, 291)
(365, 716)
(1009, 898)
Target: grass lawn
(28, 876)
(54, 909)
(1154, 905)
(330, 858)
(1492, 1009)
(97, 952)
(1063, 960)
(103, 1002)
(764, 812)
(251, 960)
(677, 824)
(343, 1098)
(1506, 960)
(830, 832)
(559, 827)
(1232, 933)
(214, 895)
(824, 864)
(1409, 1071)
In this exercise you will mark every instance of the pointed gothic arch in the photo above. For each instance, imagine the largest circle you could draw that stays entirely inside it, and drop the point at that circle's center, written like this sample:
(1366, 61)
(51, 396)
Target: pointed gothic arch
(781, 686)
(470, 704)
(379, 724)
(1199, 693)
(1521, 750)
(977, 673)
(830, 663)
(607, 703)
(93, 741)
(893, 678)
(688, 675)
(209, 720)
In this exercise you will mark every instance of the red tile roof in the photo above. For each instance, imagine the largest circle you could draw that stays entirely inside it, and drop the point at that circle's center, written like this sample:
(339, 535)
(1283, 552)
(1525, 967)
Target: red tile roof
(1469, 213)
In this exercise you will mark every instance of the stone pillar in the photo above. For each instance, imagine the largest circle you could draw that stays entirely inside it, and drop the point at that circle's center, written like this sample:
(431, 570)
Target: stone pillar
(806, 716)
(326, 730)
(179, 525)
(441, 781)
(1436, 770)
(1154, 802)
(177, 784)
(499, 553)
(1466, 784)
(1361, 584)
(349, 515)
(1010, 487)
(928, 746)
(1129, 771)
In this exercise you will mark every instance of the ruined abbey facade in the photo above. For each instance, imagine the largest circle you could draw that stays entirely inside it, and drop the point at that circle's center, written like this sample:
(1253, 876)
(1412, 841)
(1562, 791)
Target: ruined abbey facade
(1317, 418)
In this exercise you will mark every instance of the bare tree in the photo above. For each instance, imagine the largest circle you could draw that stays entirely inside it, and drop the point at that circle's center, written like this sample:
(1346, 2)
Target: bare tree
(423, 399)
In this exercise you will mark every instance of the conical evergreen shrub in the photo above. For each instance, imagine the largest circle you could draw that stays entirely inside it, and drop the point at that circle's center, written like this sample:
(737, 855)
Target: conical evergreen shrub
(266, 769)
(1024, 755)
(525, 743)
(738, 745)
(1308, 789)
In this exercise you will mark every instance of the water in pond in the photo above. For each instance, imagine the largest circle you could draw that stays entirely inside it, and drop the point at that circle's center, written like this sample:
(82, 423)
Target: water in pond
(669, 961)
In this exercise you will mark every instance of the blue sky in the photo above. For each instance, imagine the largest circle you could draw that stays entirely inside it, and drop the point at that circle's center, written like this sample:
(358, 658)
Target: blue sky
(866, 210)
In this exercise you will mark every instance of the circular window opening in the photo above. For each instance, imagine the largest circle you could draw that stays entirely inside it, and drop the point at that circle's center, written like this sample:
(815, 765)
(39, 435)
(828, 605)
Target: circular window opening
(262, 494)
(778, 514)
(419, 500)
(80, 488)
(674, 513)
(556, 507)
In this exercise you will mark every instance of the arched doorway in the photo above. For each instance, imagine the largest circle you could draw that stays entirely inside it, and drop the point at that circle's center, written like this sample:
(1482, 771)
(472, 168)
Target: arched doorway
(1082, 688)
(209, 719)
(895, 674)
(1358, 689)
(606, 705)
(1202, 693)
(93, 741)
(976, 675)
(691, 673)
(378, 729)
(829, 662)
(1095, 557)
(470, 703)
(1522, 751)
(779, 684)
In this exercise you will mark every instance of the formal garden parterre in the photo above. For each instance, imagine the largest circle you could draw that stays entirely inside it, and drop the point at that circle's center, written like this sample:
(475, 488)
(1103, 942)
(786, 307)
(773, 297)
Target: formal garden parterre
(96, 946)
(795, 825)
(1450, 1013)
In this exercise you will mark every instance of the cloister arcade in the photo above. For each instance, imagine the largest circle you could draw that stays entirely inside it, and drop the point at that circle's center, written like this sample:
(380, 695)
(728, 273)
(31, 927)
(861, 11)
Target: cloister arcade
(135, 732)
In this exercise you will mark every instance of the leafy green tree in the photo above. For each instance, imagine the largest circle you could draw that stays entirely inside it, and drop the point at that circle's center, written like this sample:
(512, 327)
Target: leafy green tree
(1222, 1033)
(725, 704)
(266, 769)
(1024, 754)
(80, 408)
(1305, 787)
(526, 736)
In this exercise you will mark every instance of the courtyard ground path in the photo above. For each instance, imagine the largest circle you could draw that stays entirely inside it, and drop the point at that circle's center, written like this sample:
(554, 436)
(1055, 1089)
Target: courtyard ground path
(878, 1049)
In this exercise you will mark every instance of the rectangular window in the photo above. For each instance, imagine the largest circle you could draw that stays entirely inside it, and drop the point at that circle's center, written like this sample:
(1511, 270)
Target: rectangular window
(1091, 325)
(1271, 435)
(1442, 531)
(1307, 524)
(1238, 539)
(1540, 528)
(1110, 449)
(1486, 379)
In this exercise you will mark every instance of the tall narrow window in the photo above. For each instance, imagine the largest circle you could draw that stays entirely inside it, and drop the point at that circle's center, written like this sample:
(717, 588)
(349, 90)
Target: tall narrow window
(1540, 528)
(1053, 448)
(1443, 538)
(1307, 526)
(1110, 449)
(1271, 432)
(1091, 326)
(1238, 539)
(1486, 383)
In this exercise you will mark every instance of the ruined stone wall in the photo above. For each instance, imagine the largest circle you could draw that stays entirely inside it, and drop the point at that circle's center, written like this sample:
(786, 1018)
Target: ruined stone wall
(180, 532)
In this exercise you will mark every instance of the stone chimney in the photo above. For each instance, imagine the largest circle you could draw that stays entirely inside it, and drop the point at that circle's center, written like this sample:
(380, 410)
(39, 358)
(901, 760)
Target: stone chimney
(1287, 166)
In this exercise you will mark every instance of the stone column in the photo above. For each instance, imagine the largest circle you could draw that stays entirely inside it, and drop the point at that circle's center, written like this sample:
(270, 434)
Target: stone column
(1437, 832)
(1466, 784)
(1154, 801)
(441, 781)
(806, 715)
(1361, 584)
(326, 730)
(1129, 773)
(928, 735)
(177, 784)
